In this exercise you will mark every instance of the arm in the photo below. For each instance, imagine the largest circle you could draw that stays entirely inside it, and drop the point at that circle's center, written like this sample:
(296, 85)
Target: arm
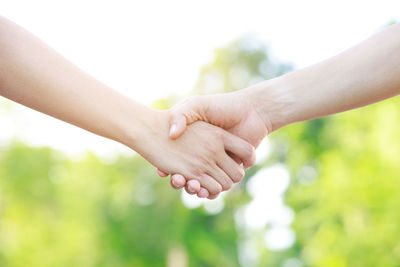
(36, 76)
(364, 74)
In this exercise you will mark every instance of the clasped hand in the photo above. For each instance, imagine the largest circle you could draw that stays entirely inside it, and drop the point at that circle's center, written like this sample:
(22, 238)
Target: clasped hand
(238, 123)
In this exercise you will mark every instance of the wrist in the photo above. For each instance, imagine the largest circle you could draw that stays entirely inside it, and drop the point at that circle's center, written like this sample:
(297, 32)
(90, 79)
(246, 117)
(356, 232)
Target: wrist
(138, 124)
(273, 100)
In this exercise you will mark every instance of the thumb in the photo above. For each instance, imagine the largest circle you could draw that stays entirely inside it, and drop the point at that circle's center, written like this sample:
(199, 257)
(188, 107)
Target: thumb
(185, 113)
(177, 125)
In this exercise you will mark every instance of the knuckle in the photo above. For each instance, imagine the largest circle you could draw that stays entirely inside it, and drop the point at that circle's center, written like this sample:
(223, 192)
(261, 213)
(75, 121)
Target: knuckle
(205, 162)
(214, 150)
(219, 133)
(196, 171)
(211, 148)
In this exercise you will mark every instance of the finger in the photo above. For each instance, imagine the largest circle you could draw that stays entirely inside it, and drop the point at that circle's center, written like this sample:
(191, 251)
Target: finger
(203, 193)
(240, 148)
(210, 184)
(177, 181)
(231, 168)
(161, 173)
(234, 157)
(213, 196)
(186, 113)
(177, 125)
(222, 178)
(192, 187)
(188, 191)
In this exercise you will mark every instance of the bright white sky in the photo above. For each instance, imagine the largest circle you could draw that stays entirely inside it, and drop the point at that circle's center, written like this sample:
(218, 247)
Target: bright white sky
(150, 49)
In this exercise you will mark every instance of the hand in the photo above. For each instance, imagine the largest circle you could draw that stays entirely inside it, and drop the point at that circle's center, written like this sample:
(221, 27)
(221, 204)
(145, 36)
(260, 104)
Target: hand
(235, 112)
(199, 154)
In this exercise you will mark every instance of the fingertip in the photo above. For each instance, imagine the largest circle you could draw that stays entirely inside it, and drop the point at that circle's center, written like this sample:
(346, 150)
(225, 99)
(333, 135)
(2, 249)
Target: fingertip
(177, 181)
(211, 197)
(242, 173)
(161, 173)
(203, 193)
(178, 126)
(193, 186)
(188, 190)
(250, 161)
(172, 131)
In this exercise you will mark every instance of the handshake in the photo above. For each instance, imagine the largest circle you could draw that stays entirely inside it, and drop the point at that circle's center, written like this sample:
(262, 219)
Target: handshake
(211, 140)
(205, 141)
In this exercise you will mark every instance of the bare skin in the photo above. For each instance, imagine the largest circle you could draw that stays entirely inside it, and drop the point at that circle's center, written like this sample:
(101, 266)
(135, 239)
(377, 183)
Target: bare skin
(362, 75)
(34, 75)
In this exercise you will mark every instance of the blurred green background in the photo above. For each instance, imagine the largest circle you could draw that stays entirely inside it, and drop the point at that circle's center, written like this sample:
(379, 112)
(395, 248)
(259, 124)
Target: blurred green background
(323, 193)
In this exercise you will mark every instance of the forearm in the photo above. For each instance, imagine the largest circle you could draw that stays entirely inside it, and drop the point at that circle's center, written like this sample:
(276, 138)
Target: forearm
(36, 76)
(364, 74)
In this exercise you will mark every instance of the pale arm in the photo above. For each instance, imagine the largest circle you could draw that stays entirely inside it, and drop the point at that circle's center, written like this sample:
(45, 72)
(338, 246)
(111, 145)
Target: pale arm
(364, 74)
(36, 76)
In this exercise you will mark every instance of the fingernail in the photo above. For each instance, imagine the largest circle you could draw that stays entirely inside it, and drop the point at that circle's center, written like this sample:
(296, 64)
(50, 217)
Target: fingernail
(203, 193)
(173, 129)
(173, 183)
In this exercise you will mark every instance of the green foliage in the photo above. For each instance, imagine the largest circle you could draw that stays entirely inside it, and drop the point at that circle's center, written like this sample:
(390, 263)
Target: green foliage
(345, 171)
(60, 212)
(347, 211)
(345, 187)
(240, 64)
